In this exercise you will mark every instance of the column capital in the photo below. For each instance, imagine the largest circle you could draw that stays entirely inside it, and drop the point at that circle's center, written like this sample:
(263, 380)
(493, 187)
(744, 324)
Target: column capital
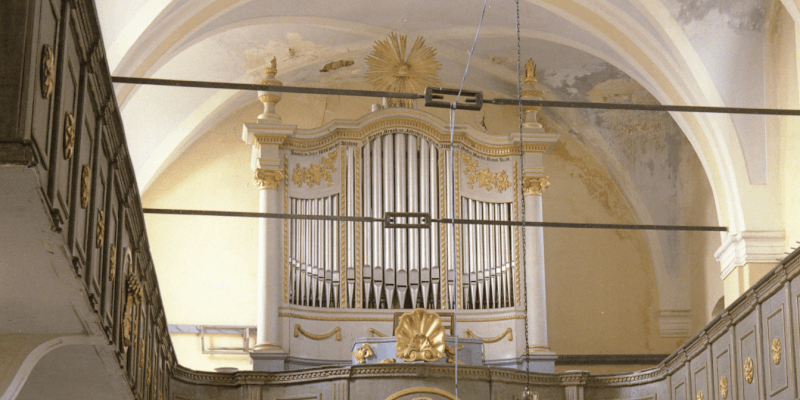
(268, 178)
(534, 185)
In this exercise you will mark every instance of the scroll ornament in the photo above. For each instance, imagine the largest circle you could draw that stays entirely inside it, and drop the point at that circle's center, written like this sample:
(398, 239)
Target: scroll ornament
(69, 135)
(534, 185)
(314, 336)
(723, 387)
(748, 370)
(268, 178)
(133, 299)
(47, 71)
(112, 262)
(314, 174)
(101, 227)
(776, 351)
(86, 180)
(420, 336)
(483, 177)
(362, 353)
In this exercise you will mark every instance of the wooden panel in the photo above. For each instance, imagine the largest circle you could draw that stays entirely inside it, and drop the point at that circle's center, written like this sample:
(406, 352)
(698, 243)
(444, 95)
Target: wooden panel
(680, 384)
(724, 380)
(700, 376)
(41, 111)
(747, 339)
(773, 323)
(111, 254)
(97, 224)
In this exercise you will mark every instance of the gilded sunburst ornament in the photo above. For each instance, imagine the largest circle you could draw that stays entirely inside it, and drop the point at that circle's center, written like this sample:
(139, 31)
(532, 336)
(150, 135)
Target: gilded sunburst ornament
(392, 70)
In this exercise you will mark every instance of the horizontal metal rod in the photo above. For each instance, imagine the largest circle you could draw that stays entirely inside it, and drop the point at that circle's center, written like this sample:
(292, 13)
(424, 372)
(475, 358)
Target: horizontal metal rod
(265, 88)
(440, 220)
(501, 102)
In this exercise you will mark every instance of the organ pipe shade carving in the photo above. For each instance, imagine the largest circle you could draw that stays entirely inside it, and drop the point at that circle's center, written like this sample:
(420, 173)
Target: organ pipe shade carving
(337, 264)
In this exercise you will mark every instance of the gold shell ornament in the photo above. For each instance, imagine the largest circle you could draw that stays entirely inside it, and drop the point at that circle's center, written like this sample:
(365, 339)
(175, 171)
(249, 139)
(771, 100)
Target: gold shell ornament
(420, 336)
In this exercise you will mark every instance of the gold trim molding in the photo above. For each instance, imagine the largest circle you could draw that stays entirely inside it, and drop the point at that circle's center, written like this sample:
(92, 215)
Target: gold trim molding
(268, 178)
(534, 186)
(483, 177)
(314, 336)
(375, 333)
(508, 332)
(314, 174)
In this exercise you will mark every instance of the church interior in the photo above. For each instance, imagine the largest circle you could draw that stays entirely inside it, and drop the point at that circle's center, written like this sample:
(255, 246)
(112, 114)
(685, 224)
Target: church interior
(251, 199)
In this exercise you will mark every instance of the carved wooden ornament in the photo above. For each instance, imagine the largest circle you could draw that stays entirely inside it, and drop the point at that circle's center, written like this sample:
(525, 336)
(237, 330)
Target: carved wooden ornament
(723, 387)
(86, 181)
(748, 370)
(47, 71)
(101, 228)
(69, 135)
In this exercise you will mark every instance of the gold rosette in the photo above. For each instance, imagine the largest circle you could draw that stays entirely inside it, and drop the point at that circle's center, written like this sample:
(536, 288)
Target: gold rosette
(420, 336)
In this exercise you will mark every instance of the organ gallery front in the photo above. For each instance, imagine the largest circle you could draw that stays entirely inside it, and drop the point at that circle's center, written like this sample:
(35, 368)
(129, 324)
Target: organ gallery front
(326, 284)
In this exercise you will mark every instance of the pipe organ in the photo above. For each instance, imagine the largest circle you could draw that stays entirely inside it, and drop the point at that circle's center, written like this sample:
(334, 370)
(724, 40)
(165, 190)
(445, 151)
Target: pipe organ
(400, 164)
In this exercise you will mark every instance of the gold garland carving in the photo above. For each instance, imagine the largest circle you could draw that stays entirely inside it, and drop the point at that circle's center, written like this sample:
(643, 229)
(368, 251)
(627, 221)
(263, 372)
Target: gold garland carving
(375, 333)
(484, 178)
(314, 336)
(314, 174)
(112, 262)
(147, 375)
(142, 349)
(86, 181)
(508, 332)
(776, 351)
(47, 71)
(748, 370)
(516, 234)
(699, 395)
(133, 299)
(358, 226)
(362, 353)
(101, 228)
(391, 70)
(342, 230)
(285, 229)
(442, 234)
(268, 178)
(723, 387)
(457, 212)
(69, 135)
(534, 185)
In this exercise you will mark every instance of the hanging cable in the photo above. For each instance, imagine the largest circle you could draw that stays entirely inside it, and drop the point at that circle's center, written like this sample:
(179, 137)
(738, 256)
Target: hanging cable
(453, 106)
(526, 394)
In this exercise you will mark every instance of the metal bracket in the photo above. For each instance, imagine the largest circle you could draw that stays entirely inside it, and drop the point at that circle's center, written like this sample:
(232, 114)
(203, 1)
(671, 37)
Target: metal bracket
(469, 100)
(424, 219)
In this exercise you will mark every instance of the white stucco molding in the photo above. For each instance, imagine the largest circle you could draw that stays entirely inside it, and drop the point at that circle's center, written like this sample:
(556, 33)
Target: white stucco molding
(749, 247)
(675, 323)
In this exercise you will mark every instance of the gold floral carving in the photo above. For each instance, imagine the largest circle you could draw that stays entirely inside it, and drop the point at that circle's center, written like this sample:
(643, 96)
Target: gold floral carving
(748, 370)
(101, 228)
(314, 336)
(133, 299)
(390, 69)
(776, 351)
(112, 262)
(483, 177)
(314, 174)
(69, 135)
(374, 332)
(47, 71)
(86, 181)
(362, 353)
(451, 353)
(142, 349)
(723, 387)
(268, 178)
(534, 185)
(508, 332)
(699, 395)
(420, 336)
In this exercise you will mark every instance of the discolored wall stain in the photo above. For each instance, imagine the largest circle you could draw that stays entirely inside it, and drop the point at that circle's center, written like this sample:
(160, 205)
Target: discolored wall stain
(738, 14)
